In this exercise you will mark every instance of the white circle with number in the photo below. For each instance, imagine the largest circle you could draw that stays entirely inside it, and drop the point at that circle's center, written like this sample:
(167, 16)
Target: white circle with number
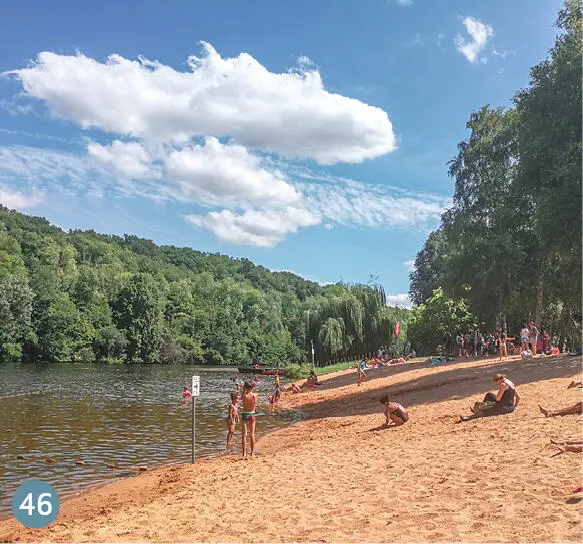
(35, 504)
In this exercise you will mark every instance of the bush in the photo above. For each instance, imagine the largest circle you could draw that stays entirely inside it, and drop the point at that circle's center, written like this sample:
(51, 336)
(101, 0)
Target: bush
(297, 371)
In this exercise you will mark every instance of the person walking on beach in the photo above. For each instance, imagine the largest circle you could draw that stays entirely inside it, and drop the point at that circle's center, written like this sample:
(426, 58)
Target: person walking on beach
(394, 412)
(232, 419)
(504, 402)
(360, 367)
(249, 400)
(533, 337)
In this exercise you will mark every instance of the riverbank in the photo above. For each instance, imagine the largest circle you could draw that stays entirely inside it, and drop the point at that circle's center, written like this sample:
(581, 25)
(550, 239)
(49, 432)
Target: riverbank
(336, 477)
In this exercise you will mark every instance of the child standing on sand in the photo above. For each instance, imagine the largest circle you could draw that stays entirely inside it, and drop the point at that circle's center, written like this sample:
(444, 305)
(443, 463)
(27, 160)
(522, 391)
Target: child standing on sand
(360, 369)
(394, 412)
(249, 400)
(232, 419)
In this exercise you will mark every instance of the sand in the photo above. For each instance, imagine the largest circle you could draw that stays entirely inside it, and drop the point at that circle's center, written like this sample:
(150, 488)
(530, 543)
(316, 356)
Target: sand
(335, 476)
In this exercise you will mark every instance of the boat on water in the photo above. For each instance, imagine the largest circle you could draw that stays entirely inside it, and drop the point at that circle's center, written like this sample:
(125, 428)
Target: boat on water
(262, 371)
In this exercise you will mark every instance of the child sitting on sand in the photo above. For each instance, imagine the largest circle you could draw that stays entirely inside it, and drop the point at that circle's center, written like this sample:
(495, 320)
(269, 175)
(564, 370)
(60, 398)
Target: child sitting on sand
(249, 400)
(232, 419)
(394, 412)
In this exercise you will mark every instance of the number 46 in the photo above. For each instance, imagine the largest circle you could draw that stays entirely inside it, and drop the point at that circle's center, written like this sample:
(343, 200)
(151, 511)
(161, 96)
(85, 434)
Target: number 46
(44, 507)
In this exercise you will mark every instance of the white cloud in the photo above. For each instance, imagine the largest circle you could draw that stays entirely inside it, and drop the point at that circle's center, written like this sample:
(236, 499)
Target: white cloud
(404, 2)
(129, 159)
(18, 201)
(289, 113)
(265, 228)
(328, 226)
(416, 41)
(480, 33)
(221, 174)
(409, 265)
(402, 300)
(353, 203)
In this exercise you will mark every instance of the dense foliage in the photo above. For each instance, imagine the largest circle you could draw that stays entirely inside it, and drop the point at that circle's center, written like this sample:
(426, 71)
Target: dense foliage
(82, 296)
(511, 243)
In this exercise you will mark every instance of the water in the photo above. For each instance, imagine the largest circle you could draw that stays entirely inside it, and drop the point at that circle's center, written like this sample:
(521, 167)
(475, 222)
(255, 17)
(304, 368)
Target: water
(110, 414)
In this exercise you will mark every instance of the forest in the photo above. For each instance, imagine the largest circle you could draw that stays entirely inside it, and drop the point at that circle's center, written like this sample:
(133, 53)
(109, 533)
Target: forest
(509, 249)
(86, 297)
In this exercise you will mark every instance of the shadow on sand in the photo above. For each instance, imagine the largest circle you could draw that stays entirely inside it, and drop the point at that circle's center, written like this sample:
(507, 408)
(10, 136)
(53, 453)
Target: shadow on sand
(457, 382)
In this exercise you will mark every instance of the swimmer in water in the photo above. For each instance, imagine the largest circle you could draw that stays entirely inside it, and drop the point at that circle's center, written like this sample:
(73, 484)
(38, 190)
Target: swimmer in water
(186, 394)
(232, 419)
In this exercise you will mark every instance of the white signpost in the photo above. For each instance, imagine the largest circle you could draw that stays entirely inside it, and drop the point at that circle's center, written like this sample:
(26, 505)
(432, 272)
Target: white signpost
(195, 393)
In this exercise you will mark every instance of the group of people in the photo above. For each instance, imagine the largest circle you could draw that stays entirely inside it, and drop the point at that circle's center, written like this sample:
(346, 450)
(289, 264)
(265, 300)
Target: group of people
(474, 343)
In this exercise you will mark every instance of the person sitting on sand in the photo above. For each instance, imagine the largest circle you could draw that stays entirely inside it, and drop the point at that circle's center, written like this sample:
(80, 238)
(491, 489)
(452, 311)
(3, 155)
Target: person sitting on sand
(394, 412)
(232, 419)
(526, 354)
(577, 408)
(313, 379)
(504, 402)
(572, 446)
(249, 400)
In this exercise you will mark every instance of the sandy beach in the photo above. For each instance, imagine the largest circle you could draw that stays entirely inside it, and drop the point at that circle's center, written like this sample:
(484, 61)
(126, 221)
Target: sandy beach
(336, 476)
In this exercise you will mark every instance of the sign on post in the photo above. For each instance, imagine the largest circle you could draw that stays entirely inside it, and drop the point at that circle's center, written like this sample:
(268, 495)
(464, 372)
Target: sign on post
(196, 386)
(195, 393)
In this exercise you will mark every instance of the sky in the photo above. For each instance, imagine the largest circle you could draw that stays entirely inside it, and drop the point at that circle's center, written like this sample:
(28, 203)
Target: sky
(305, 136)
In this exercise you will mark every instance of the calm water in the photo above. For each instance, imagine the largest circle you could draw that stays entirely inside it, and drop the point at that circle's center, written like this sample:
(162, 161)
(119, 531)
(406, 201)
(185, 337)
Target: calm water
(110, 414)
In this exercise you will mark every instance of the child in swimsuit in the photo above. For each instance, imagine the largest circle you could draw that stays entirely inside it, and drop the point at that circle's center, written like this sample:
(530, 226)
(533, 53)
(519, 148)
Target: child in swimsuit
(249, 400)
(232, 418)
(394, 412)
(186, 394)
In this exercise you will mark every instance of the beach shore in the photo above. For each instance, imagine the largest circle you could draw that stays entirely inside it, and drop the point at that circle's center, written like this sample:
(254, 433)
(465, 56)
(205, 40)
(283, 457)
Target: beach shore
(337, 477)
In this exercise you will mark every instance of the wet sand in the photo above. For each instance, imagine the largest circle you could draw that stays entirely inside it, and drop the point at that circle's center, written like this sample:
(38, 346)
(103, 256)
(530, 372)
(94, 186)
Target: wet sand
(336, 476)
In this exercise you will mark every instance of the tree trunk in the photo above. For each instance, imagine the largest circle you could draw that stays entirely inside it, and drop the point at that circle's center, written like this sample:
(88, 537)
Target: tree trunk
(539, 303)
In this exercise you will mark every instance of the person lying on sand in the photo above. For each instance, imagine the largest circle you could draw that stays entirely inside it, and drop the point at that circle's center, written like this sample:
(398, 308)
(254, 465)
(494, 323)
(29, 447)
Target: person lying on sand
(575, 409)
(504, 402)
(573, 446)
(394, 412)
(575, 384)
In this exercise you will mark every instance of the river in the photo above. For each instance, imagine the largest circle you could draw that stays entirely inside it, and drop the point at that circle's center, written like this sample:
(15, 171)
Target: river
(126, 415)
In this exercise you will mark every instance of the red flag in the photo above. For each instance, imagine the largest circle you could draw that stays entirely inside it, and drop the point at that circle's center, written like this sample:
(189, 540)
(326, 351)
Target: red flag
(398, 328)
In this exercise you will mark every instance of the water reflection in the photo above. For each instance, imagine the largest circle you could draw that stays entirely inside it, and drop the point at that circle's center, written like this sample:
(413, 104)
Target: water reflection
(108, 414)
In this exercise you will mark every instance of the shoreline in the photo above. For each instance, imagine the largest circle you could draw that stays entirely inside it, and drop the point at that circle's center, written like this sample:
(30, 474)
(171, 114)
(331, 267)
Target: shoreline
(324, 458)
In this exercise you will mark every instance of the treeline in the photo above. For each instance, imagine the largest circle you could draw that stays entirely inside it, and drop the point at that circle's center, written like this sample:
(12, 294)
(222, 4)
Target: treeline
(510, 246)
(82, 296)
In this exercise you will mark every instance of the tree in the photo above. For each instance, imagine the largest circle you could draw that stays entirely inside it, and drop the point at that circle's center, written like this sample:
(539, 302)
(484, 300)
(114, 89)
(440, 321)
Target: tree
(431, 320)
(138, 314)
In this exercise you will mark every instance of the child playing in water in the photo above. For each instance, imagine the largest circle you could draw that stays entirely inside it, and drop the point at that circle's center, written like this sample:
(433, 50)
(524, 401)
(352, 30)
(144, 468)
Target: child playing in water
(232, 418)
(249, 400)
(394, 412)
(186, 394)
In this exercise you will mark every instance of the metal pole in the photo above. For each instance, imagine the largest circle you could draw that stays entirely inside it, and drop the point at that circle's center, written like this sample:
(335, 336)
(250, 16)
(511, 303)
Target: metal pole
(193, 427)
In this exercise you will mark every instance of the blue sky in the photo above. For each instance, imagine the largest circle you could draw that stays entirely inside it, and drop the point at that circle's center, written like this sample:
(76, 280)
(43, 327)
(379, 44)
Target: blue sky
(306, 136)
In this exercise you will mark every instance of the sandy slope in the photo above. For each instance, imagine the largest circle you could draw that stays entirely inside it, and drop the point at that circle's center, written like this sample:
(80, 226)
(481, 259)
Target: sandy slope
(335, 477)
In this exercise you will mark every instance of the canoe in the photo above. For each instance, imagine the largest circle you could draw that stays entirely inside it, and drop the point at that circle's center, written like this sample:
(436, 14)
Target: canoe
(262, 371)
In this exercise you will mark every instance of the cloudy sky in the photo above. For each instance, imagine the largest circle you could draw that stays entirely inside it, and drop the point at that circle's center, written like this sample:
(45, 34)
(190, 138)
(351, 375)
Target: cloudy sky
(309, 136)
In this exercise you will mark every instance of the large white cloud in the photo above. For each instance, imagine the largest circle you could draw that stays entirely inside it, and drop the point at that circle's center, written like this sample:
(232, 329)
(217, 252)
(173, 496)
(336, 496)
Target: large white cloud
(264, 228)
(129, 159)
(289, 113)
(18, 201)
(479, 32)
(227, 173)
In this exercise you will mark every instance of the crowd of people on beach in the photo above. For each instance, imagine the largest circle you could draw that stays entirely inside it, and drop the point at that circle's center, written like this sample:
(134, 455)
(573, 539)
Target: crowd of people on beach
(475, 344)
